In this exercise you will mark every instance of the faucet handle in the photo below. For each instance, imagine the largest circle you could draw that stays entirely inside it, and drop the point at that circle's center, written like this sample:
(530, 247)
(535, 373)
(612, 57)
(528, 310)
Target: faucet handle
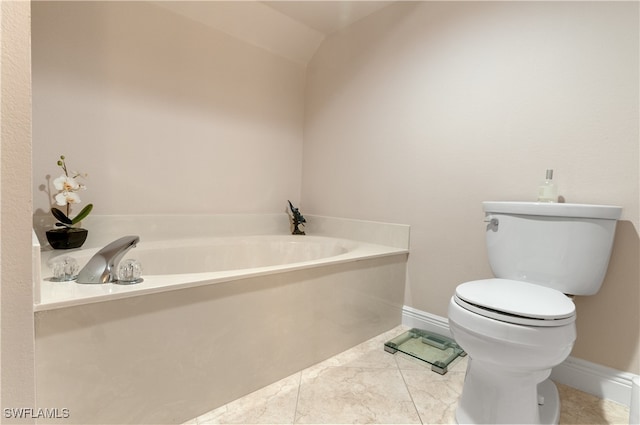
(129, 272)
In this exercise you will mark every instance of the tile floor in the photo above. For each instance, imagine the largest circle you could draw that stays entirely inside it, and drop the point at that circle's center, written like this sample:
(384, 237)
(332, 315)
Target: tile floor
(368, 385)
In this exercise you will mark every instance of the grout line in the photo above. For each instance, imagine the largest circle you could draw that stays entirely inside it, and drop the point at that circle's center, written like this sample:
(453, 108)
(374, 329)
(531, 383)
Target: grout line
(408, 390)
(295, 410)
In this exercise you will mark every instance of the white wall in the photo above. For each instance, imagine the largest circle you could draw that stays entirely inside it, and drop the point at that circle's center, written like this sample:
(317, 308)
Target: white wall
(421, 111)
(165, 114)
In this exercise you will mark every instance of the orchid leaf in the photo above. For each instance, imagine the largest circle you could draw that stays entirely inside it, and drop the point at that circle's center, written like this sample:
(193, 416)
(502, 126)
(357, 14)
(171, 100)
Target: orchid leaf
(82, 214)
(60, 216)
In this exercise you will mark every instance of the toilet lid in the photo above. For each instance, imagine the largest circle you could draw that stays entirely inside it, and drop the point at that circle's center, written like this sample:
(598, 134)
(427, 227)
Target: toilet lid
(516, 302)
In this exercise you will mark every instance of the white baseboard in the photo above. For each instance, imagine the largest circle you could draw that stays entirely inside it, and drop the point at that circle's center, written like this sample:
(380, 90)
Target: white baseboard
(415, 318)
(592, 378)
(601, 381)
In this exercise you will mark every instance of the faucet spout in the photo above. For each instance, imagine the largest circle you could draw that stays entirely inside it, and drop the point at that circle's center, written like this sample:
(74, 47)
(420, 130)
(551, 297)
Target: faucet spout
(101, 268)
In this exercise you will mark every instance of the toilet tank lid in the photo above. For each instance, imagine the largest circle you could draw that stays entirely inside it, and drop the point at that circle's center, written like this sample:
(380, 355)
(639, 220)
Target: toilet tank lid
(518, 298)
(553, 209)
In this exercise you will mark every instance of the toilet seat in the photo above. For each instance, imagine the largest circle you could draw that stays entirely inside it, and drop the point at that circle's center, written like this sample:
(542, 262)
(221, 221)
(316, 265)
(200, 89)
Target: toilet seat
(516, 302)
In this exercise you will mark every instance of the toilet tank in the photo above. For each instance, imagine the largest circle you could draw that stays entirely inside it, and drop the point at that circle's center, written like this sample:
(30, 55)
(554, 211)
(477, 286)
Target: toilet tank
(562, 246)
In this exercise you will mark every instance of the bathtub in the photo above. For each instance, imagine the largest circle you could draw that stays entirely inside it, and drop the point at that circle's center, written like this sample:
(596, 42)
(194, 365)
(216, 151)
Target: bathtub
(182, 263)
(214, 319)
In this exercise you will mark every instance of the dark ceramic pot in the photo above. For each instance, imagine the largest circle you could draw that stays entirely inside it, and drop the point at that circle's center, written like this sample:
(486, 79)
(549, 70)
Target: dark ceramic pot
(67, 238)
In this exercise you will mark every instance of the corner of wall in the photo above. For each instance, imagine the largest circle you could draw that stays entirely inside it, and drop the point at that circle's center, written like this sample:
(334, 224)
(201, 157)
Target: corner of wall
(17, 352)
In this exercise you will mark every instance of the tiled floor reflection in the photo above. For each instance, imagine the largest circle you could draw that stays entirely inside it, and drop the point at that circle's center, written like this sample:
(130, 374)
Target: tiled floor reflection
(368, 385)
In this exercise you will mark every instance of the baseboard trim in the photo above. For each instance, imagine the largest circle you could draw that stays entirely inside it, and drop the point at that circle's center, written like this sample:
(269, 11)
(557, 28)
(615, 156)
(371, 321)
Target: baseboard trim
(601, 381)
(415, 318)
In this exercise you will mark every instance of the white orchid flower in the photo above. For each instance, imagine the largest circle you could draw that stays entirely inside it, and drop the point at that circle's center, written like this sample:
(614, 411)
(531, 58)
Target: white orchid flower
(66, 184)
(64, 198)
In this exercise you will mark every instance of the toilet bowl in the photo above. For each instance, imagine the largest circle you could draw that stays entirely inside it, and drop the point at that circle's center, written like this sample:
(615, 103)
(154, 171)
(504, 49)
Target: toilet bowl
(509, 360)
(518, 326)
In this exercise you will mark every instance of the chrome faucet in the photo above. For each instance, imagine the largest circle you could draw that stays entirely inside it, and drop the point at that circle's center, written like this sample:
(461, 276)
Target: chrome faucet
(102, 267)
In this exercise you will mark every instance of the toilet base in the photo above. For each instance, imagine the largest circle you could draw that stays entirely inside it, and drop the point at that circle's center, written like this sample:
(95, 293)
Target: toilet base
(550, 409)
(507, 397)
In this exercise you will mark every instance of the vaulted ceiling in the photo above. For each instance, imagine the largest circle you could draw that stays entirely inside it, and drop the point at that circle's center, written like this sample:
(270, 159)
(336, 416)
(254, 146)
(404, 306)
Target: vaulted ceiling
(293, 29)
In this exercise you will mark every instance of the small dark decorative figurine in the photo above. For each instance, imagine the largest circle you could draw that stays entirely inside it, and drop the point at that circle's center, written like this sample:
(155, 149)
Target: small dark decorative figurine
(298, 220)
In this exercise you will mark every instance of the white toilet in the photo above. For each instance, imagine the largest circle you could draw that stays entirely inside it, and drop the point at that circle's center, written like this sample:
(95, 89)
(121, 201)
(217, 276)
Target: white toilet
(519, 325)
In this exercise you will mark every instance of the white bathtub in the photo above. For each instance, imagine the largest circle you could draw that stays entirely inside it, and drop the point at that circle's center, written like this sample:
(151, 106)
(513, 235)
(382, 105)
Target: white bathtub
(182, 263)
(214, 319)
(206, 255)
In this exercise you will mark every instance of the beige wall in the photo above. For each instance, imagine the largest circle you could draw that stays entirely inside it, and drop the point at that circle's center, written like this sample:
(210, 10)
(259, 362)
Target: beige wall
(421, 111)
(166, 114)
(414, 115)
(17, 387)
